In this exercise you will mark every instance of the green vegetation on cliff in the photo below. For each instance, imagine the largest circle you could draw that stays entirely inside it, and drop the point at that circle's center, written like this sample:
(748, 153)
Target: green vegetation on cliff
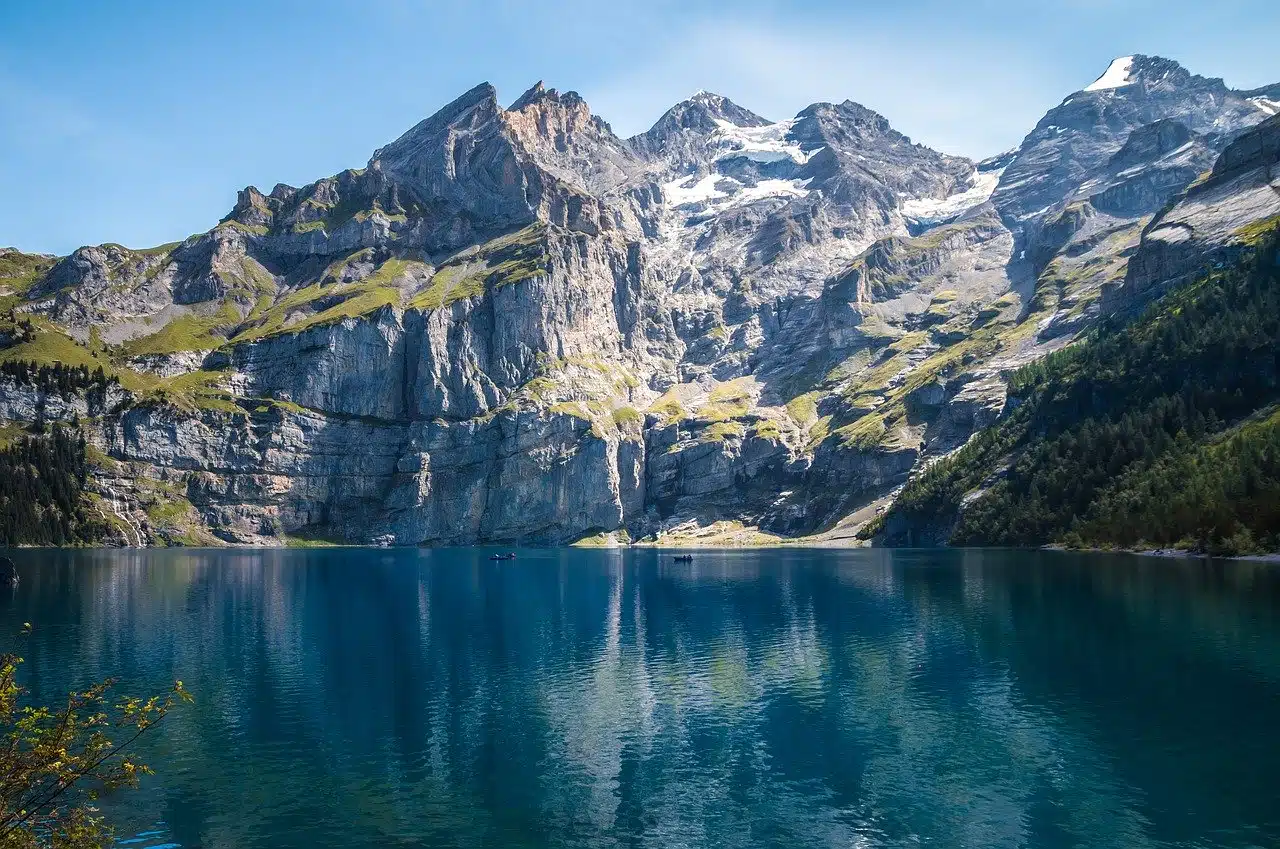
(191, 392)
(40, 341)
(1154, 433)
(501, 262)
(190, 332)
(39, 344)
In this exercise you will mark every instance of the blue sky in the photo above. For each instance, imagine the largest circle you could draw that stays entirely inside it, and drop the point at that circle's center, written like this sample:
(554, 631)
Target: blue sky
(136, 122)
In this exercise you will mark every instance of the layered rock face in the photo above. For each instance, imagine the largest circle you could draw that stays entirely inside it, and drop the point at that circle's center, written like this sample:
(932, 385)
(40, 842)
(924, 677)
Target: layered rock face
(1211, 221)
(513, 325)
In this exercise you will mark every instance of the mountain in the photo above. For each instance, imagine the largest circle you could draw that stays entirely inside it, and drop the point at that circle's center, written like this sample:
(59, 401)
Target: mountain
(1160, 432)
(1076, 138)
(514, 325)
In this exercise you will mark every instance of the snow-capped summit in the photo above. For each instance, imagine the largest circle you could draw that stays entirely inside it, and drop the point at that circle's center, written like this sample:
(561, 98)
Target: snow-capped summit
(1077, 138)
(1116, 75)
(1138, 74)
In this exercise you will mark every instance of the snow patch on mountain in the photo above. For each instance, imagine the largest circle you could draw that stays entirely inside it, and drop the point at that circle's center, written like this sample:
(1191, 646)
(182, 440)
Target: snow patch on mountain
(1116, 76)
(690, 190)
(772, 188)
(719, 192)
(1270, 107)
(938, 210)
(761, 144)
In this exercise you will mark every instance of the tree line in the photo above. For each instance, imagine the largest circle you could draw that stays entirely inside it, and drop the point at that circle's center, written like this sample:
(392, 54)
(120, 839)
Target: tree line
(42, 483)
(56, 377)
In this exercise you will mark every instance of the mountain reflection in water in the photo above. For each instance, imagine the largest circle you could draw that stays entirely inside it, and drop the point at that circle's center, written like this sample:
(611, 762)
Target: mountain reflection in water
(576, 698)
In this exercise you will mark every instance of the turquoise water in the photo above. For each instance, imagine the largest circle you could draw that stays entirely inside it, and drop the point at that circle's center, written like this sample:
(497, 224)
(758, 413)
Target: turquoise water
(366, 698)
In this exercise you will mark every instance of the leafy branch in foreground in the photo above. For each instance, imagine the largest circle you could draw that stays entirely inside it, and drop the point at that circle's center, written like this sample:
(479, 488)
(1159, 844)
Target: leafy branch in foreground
(55, 762)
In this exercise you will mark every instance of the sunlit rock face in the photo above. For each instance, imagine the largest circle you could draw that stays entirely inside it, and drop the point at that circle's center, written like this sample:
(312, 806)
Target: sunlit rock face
(513, 324)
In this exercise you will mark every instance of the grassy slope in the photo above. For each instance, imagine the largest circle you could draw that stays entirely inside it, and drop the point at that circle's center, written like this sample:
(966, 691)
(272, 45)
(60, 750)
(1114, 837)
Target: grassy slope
(19, 271)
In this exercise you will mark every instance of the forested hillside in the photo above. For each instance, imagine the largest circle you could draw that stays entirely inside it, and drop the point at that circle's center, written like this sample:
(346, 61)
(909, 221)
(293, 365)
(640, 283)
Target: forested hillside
(1157, 432)
(42, 479)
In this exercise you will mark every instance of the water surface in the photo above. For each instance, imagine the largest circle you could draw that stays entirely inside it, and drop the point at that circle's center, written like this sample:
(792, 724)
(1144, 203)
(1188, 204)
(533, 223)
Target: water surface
(365, 698)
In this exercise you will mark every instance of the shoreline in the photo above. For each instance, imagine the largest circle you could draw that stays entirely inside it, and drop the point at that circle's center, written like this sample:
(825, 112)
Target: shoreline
(837, 544)
(1167, 553)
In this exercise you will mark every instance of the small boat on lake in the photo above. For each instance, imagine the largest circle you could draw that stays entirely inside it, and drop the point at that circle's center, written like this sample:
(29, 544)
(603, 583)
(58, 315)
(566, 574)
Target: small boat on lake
(683, 558)
(510, 555)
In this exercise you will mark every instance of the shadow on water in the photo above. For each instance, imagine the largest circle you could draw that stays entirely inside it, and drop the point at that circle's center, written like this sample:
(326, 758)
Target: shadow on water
(572, 698)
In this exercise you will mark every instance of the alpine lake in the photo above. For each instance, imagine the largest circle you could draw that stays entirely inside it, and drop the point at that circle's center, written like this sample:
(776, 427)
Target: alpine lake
(617, 698)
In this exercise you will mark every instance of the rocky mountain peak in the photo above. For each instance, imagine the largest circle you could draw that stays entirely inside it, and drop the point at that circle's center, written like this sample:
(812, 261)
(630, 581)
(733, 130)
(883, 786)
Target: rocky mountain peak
(1139, 74)
(849, 114)
(559, 132)
(1080, 135)
(464, 115)
(252, 207)
(718, 106)
(545, 112)
(483, 99)
(844, 125)
(695, 118)
(535, 93)
(283, 192)
(540, 94)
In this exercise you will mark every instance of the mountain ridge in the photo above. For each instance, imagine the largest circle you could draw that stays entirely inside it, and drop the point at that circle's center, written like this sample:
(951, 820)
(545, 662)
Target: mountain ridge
(514, 325)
